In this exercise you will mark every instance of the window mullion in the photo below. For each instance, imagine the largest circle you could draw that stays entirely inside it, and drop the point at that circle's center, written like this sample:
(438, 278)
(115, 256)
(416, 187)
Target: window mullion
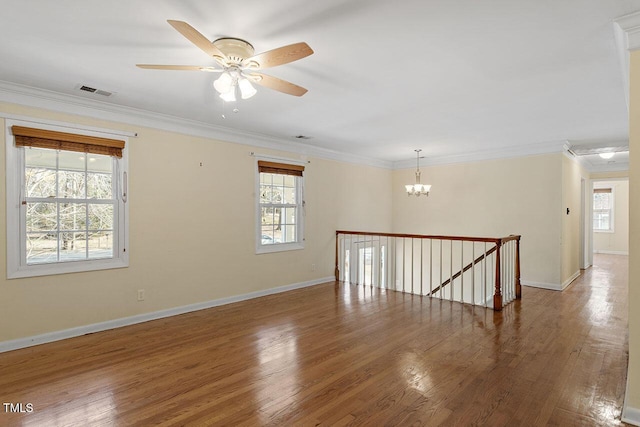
(86, 207)
(57, 206)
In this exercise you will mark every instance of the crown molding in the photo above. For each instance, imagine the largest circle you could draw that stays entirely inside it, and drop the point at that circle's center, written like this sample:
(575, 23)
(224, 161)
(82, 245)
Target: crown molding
(630, 26)
(55, 101)
(492, 154)
(626, 31)
(50, 100)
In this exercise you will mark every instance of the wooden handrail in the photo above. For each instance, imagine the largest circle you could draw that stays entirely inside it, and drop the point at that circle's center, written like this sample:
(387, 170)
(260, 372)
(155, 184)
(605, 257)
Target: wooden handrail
(427, 236)
(464, 270)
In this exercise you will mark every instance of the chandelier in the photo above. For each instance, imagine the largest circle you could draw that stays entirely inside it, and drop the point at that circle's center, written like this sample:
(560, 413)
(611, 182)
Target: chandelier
(231, 79)
(417, 189)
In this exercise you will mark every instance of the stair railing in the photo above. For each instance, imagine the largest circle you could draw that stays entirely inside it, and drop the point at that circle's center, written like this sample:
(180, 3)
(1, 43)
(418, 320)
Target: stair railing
(473, 270)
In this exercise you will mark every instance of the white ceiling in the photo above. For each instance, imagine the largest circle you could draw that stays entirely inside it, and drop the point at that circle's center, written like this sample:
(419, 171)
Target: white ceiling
(450, 77)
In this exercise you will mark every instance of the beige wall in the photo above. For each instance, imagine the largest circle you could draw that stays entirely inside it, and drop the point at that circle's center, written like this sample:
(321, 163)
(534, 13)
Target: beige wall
(191, 232)
(572, 175)
(633, 389)
(616, 242)
(492, 199)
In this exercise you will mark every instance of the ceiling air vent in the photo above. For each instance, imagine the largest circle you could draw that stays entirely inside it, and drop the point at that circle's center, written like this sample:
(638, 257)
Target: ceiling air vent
(93, 90)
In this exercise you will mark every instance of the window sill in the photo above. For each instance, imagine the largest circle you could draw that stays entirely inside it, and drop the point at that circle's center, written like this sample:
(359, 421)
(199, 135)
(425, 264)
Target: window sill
(67, 267)
(279, 247)
(604, 231)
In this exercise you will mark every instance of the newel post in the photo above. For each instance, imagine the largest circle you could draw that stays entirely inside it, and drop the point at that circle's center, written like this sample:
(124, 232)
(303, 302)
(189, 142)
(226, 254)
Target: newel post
(497, 296)
(518, 288)
(337, 270)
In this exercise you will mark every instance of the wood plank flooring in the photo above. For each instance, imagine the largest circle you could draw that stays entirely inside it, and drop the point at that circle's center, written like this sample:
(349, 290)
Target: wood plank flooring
(337, 355)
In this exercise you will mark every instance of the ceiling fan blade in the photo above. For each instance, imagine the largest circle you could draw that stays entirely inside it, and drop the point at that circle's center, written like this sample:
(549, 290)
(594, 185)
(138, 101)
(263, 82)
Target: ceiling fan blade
(196, 38)
(178, 67)
(279, 56)
(277, 84)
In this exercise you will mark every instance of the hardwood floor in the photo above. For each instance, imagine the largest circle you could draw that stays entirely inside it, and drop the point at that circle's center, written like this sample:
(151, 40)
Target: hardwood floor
(337, 355)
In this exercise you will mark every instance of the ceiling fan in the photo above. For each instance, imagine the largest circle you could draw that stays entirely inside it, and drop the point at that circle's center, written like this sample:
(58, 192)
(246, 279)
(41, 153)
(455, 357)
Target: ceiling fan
(238, 63)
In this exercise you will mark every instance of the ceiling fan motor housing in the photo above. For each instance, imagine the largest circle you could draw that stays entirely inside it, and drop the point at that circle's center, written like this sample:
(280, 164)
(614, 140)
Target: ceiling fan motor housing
(236, 50)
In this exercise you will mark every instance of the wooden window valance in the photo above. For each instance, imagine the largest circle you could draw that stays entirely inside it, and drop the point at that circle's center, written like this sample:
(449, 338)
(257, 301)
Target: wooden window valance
(280, 168)
(602, 190)
(40, 138)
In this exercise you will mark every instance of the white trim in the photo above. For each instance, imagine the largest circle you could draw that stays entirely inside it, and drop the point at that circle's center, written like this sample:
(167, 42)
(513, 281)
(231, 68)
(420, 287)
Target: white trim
(627, 37)
(49, 100)
(289, 160)
(551, 286)
(570, 280)
(71, 128)
(631, 415)
(540, 285)
(611, 252)
(146, 317)
(630, 25)
(491, 154)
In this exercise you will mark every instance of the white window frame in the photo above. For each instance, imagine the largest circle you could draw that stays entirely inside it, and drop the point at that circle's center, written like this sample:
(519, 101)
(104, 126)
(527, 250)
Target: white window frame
(280, 247)
(611, 211)
(17, 266)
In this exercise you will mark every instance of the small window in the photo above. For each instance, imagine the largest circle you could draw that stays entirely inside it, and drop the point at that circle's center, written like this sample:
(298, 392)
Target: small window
(65, 202)
(603, 209)
(280, 207)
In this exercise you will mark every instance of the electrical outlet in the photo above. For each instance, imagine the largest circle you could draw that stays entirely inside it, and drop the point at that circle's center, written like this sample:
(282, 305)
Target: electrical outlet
(313, 267)
(140, 294)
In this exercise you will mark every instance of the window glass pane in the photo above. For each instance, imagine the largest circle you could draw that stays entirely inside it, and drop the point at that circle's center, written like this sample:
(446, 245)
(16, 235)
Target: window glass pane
(101, 244)
(289, 181)
(289, 195)
(99, 186)
(289, 233)
(601, 220)
(40, 158)
(268, 236)
(99, 163)
(73, 246)
(71, 185)
(73, 216)
(71, 161)
(100, 217)
(41, 217)
(40, 182)
(42, 248)
(290, 216)
(269, 194)
(602, 201)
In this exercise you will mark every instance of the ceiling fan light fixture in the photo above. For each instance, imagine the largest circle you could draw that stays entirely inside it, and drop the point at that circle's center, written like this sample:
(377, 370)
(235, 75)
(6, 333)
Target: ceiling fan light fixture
(246, 88)
(224, 83)
(229, 96)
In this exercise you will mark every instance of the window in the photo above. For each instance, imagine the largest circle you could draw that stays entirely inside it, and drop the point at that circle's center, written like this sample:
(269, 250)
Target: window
(280, 207)
(603, 209)
(66, 202)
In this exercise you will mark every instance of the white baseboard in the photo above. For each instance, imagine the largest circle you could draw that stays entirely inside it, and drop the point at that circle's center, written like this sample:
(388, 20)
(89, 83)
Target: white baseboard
(631, 415)
(551, 286)
(611, 252)
(140, 318)
(570, 280)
